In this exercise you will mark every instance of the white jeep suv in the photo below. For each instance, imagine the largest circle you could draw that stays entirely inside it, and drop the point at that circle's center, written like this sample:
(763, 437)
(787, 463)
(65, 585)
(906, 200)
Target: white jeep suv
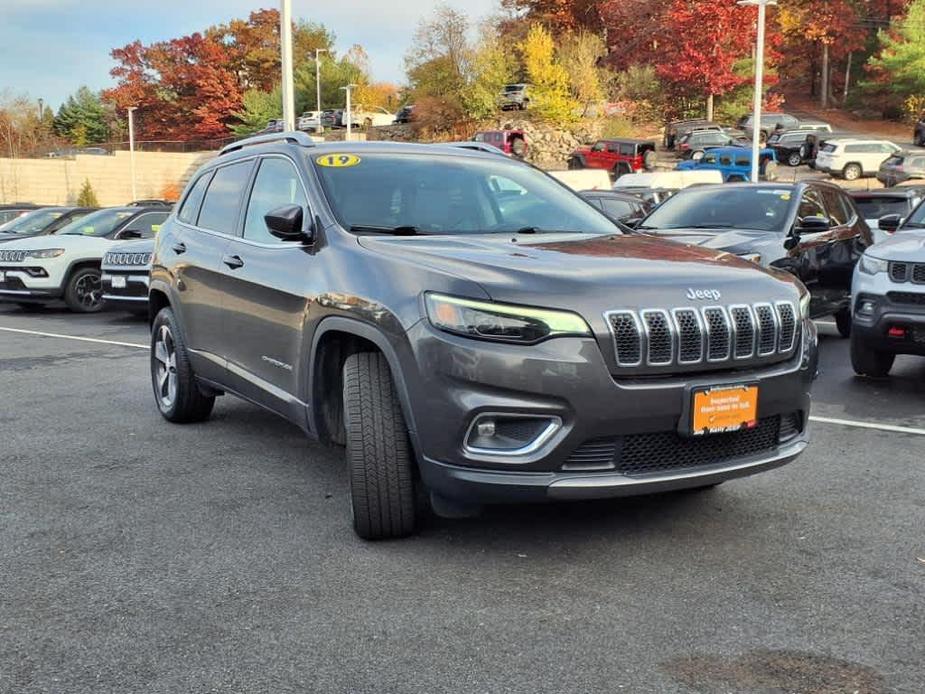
(853, 158)
(66, 265)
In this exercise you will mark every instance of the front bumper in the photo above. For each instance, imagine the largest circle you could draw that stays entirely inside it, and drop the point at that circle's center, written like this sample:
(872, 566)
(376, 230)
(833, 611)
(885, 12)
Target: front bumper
(567, 378)
(133, 295)
(896, 305)
(21, 286)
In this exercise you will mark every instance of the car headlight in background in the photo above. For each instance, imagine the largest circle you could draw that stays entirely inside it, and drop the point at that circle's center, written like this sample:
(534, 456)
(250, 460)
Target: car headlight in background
(873, 266)
(45, 253)
(501, 322)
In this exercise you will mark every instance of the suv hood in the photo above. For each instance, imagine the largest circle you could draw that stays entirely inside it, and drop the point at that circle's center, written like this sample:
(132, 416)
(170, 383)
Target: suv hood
(736, 241)
(907, 245)
(68, 242)
(588, 273)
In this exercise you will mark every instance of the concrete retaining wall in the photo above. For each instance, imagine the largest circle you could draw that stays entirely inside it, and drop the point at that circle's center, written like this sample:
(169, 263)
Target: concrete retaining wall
(58, 181)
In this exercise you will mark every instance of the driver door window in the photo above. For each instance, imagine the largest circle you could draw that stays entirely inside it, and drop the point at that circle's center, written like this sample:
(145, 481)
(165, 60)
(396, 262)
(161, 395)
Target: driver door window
(277, 184)
(811, 205)
(147, 225)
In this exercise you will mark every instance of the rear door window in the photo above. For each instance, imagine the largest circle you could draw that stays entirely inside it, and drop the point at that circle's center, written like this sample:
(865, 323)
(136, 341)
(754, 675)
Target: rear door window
(837, 207)
(222, 202)
(627, 150)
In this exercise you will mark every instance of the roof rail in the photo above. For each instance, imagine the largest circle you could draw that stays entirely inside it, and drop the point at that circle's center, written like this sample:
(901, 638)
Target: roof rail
(295, 138)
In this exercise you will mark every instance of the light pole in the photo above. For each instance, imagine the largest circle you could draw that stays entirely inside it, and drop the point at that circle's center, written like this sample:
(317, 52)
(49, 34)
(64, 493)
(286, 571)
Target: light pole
(318, 52)
(285, 42)
(349, 89)
(41, 108)
(131, 148)
(759, 83)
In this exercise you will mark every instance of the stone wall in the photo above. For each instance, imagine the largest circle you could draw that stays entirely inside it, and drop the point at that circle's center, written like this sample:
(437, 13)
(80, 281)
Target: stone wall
(58, 181)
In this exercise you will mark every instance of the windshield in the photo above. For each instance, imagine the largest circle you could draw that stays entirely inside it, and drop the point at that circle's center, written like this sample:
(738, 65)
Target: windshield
(32, 222)
(916, 219)
(761, 209)
(449, 195)
(875, 208)
(100, 223)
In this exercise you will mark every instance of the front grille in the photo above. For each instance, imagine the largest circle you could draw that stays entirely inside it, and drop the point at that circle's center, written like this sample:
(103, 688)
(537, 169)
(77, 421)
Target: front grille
(117, 259)
(660, 338)
(667, 451)
(911, 298)
(12, 256)
(907, 272)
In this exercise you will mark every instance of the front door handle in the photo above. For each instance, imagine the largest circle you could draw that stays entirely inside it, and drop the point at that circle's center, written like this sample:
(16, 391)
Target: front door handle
(179, 248)
(233, 261)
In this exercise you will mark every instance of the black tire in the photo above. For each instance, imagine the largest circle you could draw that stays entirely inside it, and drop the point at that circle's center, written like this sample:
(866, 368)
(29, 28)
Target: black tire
(379, 459)
(869, 362)
(852, 172)
(83, 292)
(187, 403)
(794, 159)
(574, 163)
(843, 322)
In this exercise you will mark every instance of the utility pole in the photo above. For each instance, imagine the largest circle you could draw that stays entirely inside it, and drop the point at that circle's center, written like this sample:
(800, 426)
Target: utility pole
(285, 41)
(349, 89)
(41, 108)
(131, 148)
(318, 52)
(824, 90)
(759, 84)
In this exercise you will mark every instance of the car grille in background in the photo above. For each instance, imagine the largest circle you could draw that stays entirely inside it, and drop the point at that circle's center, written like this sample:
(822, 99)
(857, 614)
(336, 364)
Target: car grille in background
(908, 272)
(114, 258)
(907, 298)
(716, 334)
(12, 256)
(666, 451)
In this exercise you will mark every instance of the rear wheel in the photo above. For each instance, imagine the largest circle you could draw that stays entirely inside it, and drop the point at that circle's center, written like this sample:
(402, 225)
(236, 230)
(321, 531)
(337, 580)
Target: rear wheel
(649, 160)
(519, 148)
(869, 362)
(851, 172)
(176, 392)
(575, 163)
(379, 460)
(843, 322)
(84, 291)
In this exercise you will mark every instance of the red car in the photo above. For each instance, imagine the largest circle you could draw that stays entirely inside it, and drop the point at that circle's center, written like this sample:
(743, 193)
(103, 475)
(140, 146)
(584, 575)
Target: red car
(617, 156)
(511, 142)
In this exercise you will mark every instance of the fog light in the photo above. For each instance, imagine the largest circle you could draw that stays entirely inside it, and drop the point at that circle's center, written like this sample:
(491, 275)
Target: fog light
(509, 435)
(866, 308)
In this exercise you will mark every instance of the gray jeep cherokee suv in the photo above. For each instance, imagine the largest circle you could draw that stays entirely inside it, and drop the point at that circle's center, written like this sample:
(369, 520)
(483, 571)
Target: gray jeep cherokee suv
(469, 327)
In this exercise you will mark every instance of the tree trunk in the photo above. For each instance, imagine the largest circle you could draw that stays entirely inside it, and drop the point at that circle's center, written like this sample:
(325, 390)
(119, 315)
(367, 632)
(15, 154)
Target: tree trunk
(824, 90)
(710, 107)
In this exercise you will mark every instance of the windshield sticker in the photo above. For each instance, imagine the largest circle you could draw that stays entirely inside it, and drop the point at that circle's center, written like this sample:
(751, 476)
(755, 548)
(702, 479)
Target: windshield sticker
(86, 231)
(155, 228)
(338, 161)
(773, 191)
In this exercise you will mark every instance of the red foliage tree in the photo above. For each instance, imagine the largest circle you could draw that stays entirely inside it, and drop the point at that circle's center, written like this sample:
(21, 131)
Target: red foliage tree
(559, 15)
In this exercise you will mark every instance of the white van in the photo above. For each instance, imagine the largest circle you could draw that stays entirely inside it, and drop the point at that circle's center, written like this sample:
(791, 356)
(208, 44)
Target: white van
(853, 158)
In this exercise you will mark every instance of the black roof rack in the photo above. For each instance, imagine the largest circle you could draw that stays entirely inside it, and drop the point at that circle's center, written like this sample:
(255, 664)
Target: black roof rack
(295, 138)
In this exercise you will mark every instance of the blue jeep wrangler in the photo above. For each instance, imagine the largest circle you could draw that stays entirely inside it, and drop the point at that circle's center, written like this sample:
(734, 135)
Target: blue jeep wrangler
(735, 163)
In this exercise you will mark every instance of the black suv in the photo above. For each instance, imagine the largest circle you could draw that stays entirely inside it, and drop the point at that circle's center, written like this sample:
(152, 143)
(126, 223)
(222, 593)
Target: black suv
(810, 229)
(468, 326)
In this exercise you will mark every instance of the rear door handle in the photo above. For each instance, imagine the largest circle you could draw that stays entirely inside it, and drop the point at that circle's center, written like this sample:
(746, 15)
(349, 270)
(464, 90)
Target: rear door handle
(233, 261)
(179, 248)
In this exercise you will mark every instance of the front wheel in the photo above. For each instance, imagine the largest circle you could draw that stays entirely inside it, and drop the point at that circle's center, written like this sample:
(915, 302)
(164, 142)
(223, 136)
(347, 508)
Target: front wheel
(794, 159)
(84, 291)
(379, 459)
(869, 362)
(852, 172)
(843, 322)
(176, 392)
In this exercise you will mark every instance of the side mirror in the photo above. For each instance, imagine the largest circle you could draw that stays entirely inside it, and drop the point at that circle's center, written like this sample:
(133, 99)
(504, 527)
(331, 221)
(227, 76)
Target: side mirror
(131, 234)
(286, 223)
(889, 222)
(813, 225)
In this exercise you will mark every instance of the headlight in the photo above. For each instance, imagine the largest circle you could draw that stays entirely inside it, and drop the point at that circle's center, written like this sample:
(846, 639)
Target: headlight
(46, 253)
(502, 322)
(873, 266)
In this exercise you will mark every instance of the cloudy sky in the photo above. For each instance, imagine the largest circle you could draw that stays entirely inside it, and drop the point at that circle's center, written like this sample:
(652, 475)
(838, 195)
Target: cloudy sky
(50, 47)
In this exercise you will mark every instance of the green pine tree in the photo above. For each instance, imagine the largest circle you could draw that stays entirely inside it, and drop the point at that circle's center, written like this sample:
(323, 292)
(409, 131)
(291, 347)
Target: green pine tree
(87, 197)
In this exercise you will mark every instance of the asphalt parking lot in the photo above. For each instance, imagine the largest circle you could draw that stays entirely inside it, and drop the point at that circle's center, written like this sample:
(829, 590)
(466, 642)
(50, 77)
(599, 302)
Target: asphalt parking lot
(136, 556)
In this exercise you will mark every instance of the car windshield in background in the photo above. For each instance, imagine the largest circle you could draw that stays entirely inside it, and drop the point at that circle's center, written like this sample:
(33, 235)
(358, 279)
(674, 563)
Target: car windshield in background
(916, 219)
(760, 209)
(99, 223)
(31, 222)
(442, 194)
(875, 208)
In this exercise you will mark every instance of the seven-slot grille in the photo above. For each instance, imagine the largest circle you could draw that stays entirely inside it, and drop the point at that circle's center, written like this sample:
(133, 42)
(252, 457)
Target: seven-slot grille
(115, 258)
(715, 334)
(907, 272)
(12, 256)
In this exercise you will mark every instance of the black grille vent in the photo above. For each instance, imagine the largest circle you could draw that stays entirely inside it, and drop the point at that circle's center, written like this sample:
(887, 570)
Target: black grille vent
(660, 341)
(899, 272)
(626, 338)
(788, 327)
(767, 330)
(918, 274)
(718, 329)
(745, 332)
(791, 426)
(596, 454)
(690, 336)
(907, 298)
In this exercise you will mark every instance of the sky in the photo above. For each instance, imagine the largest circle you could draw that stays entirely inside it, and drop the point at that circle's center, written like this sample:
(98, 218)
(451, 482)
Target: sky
(48, 48)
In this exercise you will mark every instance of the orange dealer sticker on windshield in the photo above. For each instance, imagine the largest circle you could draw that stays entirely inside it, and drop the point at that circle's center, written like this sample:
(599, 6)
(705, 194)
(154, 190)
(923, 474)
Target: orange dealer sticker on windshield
(338, 161)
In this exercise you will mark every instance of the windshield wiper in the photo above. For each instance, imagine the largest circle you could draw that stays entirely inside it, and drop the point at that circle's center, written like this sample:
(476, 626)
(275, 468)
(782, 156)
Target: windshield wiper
(406, 230)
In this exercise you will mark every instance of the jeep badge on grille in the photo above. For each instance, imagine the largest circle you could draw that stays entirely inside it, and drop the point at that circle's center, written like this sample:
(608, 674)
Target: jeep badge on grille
(703, 294)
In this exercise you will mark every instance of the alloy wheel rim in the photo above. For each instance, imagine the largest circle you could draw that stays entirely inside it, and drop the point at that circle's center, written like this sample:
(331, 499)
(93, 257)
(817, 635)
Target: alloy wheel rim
(165, 368)
(89, 291)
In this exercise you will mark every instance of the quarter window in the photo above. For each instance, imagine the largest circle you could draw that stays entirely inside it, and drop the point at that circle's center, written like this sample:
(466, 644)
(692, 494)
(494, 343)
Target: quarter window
(190, 208)
(223, 198)
(277, 184)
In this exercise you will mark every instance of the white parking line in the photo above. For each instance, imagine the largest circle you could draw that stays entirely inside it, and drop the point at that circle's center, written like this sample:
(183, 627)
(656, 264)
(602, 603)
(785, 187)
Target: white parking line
(869, 425)
(75, 337)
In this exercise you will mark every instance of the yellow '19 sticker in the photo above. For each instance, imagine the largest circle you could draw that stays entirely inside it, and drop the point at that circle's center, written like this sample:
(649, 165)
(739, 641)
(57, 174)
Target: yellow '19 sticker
(338, 161)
